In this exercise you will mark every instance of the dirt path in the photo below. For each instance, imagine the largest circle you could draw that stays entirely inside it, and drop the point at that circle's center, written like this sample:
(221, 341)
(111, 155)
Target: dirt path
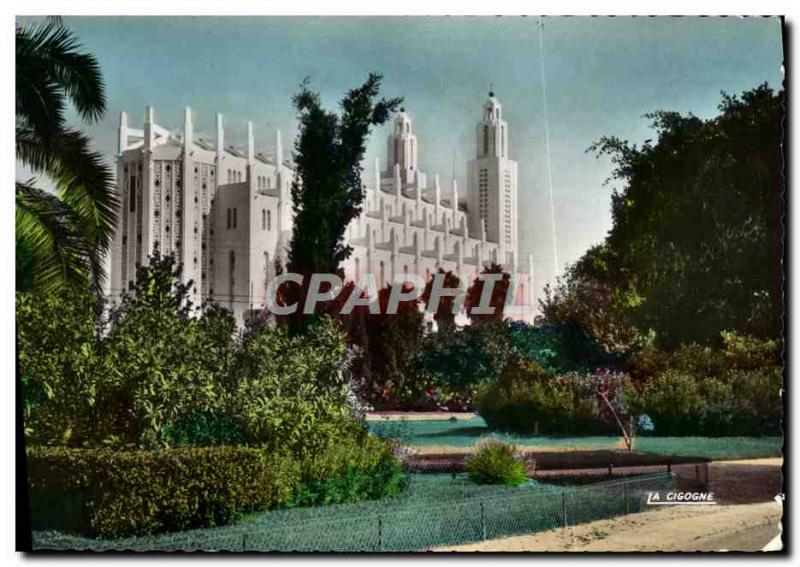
(745, 527)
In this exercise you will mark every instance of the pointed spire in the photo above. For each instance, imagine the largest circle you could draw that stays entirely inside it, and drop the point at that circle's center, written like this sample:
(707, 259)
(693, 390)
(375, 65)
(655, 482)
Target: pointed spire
(220, 137)
(437, 191)
(455, 195)
(251, 145)
(188, 129)
(123, 131)
(149, 122)
(278, 148)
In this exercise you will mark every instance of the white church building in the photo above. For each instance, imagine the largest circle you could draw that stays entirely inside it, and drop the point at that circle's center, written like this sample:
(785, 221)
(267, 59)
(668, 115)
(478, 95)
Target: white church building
(226, 214)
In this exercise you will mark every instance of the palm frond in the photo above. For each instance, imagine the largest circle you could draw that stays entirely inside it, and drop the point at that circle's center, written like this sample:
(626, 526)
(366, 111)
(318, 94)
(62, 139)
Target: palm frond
(49, 62)
(49, 250)
(85, 185)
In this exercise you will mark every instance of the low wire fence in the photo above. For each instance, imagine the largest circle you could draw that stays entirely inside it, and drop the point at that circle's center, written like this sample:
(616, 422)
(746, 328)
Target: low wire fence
(461, 513)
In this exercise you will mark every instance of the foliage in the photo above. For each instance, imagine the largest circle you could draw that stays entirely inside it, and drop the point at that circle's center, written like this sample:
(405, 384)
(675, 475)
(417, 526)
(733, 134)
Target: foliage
(59, 364)
(350, 469)
(560, 348)
(62, 239)
(494, 462)
(444, 315)
(327, 192)
(160, 377)
(497, 299)
(527, 398)
(735, 390)
(162, 365)
(696, 232)
(290, 391)
(205, 429)
(454, 367)
(144, 492)
(385, 345)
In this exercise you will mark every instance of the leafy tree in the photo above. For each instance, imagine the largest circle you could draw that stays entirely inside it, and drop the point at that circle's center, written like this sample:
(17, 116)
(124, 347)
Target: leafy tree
(61, 239)
(695, 246)
(327, 192)
(163, 364)
(497, 301)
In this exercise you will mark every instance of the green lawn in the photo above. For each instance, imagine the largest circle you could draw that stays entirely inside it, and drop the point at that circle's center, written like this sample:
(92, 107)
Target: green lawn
(465, 433)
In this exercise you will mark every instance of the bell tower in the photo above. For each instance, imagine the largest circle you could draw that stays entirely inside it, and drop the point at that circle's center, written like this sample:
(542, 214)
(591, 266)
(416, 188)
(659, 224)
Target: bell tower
(402, 148)
(492, 182)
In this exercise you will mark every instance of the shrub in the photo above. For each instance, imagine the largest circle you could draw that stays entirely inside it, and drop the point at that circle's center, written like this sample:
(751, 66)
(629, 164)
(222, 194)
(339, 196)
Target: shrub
(528, 399)
(203, 429)
(59, 365)
(454, 366)
(495, 462)
(291, 392)
(127, 493)
(739, 402)
(350, 469)
(696, 390)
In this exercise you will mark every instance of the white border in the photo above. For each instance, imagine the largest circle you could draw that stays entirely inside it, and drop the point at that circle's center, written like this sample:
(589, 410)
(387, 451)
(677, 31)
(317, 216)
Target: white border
(303, 7)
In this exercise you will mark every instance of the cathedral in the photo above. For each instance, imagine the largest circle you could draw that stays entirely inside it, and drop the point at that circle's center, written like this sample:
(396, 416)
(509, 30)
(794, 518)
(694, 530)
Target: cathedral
(226, 214)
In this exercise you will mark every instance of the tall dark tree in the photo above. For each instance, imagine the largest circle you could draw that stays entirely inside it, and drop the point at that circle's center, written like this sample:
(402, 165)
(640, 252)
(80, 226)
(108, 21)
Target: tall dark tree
(61, 239)
(696, 243)
(327, 191)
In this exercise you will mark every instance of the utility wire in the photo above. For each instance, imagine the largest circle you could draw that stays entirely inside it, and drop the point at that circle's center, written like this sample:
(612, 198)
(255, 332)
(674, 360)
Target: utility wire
(540, 25)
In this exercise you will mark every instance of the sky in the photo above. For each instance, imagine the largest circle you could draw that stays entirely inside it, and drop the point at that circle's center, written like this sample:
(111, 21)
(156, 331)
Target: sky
(602, 76)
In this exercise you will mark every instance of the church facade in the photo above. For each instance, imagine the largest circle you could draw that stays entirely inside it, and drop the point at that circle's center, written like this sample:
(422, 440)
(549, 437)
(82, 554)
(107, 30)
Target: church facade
(226, 214)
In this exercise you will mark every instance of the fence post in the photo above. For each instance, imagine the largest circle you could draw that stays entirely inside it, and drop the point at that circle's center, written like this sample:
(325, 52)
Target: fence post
(380, 534)
(669, 467)
(483, 522)
(564, 507)
(244, 542)
(610, 470)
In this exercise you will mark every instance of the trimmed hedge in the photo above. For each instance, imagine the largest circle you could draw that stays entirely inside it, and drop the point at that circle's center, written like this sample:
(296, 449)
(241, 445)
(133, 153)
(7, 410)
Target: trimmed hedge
(117, 493)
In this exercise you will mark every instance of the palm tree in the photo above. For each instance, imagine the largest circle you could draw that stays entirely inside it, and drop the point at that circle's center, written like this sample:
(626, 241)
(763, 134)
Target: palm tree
(62, 238)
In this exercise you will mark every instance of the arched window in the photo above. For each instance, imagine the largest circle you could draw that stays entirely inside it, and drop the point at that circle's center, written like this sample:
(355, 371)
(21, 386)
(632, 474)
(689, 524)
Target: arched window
(269, 183)
(230, 178)
(263, 219)
(382, 274)
(269, 220)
